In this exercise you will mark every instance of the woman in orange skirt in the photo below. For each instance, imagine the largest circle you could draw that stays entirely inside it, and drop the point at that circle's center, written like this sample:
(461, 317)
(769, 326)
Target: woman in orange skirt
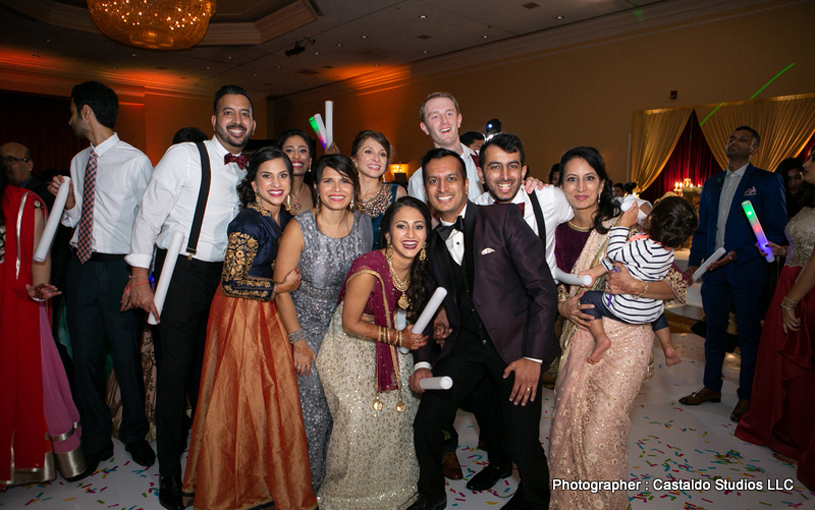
(248, 445)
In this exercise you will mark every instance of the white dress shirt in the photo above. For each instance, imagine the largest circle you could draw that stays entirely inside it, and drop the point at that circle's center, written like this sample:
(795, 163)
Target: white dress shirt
(122, 174)
(554, 206)
(416, 182)
(169, 204)
(731, 183)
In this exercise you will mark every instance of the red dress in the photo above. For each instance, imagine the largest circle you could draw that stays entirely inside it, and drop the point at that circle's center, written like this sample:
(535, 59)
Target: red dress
(780, 410)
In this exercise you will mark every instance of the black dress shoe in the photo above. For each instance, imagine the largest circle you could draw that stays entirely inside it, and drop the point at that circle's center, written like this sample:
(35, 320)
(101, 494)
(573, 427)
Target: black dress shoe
(425, 503)
(169, 493)
(142, 453)
(92, 462)
(488, 477)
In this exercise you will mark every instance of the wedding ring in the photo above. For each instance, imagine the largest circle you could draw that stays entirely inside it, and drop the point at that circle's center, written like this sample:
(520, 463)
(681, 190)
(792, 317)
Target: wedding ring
(529, 389)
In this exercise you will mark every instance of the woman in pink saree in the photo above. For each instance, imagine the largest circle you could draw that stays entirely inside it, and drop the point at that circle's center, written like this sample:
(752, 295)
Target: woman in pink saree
(589, 433)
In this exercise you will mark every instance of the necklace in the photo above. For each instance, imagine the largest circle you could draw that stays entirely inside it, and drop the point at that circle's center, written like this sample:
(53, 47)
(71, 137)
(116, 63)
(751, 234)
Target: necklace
(579, 229)
(376, 204)
(295, 198)
(401, 285)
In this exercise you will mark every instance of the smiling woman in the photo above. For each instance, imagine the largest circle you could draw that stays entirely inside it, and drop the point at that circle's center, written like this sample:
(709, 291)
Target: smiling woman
(322, 243)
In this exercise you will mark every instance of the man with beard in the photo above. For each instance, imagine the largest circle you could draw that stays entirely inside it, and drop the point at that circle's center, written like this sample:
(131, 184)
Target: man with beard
(440, 120)
(737, 277)
(198, 201)
(107, 180)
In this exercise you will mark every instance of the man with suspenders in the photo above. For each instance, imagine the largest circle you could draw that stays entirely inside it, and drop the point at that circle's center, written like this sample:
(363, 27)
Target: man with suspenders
(193, 191)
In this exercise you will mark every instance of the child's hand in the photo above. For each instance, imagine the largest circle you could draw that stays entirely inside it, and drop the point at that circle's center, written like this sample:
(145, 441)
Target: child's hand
(629, 218)
(587, 273)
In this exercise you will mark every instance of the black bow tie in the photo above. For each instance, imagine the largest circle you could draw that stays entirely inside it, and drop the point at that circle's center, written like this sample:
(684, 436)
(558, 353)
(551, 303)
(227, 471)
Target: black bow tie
(240, 160)
(446, 230)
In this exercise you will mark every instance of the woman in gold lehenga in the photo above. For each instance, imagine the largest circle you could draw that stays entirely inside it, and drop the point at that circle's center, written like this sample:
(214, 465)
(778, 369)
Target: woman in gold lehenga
(591, 421)
(248, 444)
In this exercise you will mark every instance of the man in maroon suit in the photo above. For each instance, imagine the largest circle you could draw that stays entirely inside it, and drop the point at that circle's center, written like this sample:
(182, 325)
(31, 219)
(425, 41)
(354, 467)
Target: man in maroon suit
(501, 306)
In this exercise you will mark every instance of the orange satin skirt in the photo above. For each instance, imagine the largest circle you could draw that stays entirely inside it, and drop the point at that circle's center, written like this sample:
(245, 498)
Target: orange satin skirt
(248, 445)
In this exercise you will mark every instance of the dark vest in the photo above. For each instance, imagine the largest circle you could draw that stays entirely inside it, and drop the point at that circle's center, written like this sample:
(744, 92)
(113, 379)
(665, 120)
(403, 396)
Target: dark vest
(472, 333)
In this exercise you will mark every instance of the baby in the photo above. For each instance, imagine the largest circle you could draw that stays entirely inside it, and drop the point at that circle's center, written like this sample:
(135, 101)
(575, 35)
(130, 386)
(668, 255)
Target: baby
(648, 257)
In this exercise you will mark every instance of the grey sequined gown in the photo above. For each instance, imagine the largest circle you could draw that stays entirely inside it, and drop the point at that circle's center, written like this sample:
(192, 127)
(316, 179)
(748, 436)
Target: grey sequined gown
(323, 265)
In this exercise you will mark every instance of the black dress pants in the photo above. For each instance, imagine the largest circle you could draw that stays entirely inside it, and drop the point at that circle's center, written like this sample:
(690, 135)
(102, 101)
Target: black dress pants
(520, 425)
(183, 334)
(94, 293)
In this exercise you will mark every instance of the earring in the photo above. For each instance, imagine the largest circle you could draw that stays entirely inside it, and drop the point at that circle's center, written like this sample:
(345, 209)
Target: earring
(598, 196)
(389, 251)
(257, 201)
(422, 253)
(351, 205)
(288, 202)
(318, 200)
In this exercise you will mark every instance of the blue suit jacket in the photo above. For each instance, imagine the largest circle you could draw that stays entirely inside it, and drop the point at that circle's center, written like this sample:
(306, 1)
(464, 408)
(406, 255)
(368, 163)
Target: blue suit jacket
(766, 192)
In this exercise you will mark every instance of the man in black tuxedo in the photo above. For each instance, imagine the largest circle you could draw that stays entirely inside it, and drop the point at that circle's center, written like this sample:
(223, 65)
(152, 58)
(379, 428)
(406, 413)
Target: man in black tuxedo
(501, 306)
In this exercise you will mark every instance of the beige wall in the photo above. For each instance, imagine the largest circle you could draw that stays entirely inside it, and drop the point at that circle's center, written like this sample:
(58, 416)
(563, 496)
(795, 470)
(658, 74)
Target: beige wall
(586, 93)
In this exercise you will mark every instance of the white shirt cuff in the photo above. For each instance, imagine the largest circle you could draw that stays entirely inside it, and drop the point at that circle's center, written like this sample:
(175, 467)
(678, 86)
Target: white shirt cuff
(139, 260)
(534, 359)
(422, 364)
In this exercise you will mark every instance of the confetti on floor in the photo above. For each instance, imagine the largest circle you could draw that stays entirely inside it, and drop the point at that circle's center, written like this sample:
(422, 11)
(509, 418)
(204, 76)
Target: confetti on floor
(669, 445)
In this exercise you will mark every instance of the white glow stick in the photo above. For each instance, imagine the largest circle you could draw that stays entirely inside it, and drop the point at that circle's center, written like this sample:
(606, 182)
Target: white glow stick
(321, 126)
(166, 274)
(571, 279)
(53, 221)
(436, 383)
(329, 122)
(429, 310)
(710, 260)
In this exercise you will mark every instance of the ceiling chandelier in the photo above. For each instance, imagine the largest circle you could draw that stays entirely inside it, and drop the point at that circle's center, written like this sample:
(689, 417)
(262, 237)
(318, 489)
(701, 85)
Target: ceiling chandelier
(153, 24)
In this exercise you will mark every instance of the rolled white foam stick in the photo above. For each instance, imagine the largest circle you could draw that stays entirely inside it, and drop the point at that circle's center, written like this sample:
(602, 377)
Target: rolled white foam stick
(710, 260)
(329, 122)
(436, 383)
(53, 221)
(166, 274)
(628, 201)
(571, 279)
(429, 310)
(321, 126)
(401, 323)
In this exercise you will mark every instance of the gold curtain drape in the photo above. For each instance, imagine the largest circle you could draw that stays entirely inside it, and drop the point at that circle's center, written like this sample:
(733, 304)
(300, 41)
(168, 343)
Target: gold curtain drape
(654, 136)
(785, 124)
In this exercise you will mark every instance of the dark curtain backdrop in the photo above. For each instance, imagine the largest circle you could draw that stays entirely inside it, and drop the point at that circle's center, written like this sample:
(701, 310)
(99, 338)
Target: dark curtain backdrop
(691, 158)
(41, 124)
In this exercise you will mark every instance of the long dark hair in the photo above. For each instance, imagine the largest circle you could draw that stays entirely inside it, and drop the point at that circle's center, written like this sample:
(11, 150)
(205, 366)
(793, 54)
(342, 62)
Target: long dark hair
(416, 293)
(245, 191)
(607, 206)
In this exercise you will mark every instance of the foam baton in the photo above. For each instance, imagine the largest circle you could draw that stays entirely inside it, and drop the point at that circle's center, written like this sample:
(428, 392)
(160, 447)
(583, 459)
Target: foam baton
(571, 279)
(329, 123)
(430, 310)
(763, 243)
(166, 274)
(436, 383)
(710, 260)
(53, 221)
(320, 132)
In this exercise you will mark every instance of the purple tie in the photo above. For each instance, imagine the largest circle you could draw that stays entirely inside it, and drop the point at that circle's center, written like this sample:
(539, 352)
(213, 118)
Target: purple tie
(84, 246)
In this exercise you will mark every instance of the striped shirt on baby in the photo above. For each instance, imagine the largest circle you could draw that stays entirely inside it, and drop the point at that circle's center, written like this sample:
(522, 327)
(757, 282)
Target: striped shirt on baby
(646, 260)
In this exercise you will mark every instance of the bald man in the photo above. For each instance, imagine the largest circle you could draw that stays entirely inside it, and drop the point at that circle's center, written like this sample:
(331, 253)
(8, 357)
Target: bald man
(19, 165)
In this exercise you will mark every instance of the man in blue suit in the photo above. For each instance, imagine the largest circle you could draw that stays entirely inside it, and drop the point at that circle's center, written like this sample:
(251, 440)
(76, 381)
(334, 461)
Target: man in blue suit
(737, 278)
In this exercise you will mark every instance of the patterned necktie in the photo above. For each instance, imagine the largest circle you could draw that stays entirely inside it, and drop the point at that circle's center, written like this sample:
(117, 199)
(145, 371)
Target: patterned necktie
(84, 245)
(231, 158)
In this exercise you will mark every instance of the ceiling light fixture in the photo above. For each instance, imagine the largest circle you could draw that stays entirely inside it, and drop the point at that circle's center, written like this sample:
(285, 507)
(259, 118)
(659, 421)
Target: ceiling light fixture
(485, 37)
(157, 24)
(300, 46)
(422, 17)
(560, 17)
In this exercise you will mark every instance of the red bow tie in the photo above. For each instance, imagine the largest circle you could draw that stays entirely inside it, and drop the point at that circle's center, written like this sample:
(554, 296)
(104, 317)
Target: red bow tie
(240, 160)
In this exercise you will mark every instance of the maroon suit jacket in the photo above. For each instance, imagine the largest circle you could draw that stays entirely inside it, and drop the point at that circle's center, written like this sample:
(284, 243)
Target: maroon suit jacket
(513, 290)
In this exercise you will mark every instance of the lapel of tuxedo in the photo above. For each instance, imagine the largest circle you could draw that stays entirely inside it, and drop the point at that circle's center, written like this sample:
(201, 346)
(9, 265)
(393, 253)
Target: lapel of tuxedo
(738, 198)
(469, 242)
(444, 273)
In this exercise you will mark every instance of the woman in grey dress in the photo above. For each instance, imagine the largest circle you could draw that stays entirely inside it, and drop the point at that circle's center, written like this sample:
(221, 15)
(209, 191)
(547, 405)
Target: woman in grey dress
(323, 243)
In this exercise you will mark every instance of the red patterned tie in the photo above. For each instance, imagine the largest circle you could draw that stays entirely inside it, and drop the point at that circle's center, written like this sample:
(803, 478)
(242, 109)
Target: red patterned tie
(84, 246)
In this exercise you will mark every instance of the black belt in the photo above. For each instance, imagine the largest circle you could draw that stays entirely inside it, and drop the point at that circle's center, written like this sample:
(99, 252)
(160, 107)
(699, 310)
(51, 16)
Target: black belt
(161, 255)
(103, 257)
